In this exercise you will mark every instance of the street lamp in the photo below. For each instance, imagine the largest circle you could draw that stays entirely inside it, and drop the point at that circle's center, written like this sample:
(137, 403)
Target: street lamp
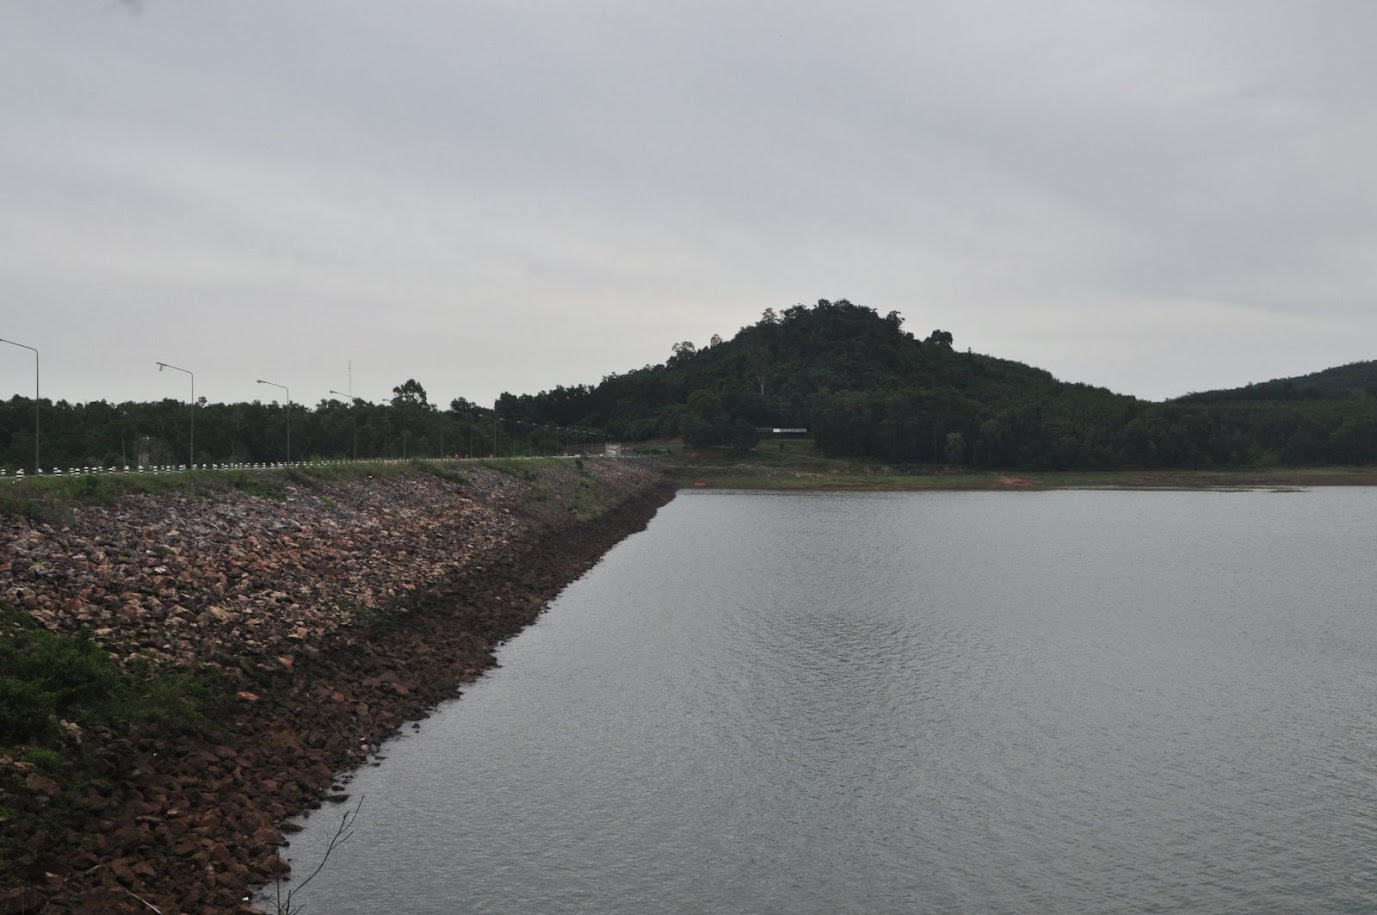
(164, 365)
(289, 415)
(352, 416)
(37, 467)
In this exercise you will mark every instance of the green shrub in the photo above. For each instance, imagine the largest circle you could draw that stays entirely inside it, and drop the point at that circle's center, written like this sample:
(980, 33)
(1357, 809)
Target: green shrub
(79, 673)
(173, 701)
(49, 674)
(52, 676)
(26, 710)
(45, 760)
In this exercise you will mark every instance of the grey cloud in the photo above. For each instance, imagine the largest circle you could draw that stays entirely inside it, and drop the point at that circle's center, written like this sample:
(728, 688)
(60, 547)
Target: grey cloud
(579, 185)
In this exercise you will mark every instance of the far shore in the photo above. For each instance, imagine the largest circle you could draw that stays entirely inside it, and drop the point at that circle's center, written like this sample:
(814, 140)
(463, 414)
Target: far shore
(754, 476)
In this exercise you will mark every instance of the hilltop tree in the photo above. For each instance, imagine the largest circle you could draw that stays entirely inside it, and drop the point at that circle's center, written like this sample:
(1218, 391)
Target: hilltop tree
(409, 393)
(681, 352)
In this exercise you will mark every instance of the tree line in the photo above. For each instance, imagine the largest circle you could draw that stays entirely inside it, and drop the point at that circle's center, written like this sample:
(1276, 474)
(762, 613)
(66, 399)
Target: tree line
(159, 433)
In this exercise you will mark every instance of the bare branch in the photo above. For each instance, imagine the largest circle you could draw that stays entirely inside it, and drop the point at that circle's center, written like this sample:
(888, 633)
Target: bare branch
(343, 833)
(144, 901)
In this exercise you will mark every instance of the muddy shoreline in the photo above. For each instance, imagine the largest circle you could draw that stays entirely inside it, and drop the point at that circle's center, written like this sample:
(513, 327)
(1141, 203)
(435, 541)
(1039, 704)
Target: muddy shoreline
(193, 822)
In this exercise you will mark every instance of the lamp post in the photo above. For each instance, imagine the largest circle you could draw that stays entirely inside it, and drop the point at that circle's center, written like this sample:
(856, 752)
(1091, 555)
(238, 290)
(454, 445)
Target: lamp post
(37, 467)
(353, 417)
(289, 415)
(399, 405)
(165, 365)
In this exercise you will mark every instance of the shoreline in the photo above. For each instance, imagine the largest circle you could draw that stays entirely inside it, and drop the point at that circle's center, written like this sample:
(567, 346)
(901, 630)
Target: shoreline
(748, 476)
(193, 821)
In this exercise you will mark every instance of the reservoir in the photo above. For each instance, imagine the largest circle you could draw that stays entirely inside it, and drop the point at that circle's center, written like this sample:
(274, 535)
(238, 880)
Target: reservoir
(1074, 701)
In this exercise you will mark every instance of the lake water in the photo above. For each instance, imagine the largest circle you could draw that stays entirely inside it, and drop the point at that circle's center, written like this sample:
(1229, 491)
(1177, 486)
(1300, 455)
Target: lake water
(937, 702)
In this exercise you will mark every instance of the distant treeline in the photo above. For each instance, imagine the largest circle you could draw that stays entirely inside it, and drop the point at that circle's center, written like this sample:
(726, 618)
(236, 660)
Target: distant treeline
(159, 433)
(865, 387)
(862, 385)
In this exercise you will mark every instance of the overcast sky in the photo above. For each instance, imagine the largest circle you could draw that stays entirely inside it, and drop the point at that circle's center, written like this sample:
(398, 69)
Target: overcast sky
(1156, 197)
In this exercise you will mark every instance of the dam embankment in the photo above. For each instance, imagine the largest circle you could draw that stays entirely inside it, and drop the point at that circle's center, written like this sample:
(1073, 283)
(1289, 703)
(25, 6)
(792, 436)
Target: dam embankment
(309, 615)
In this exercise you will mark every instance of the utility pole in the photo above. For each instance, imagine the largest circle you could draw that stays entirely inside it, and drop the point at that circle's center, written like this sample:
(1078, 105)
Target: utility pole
(289, 415)
(37, 467)
(163, 365)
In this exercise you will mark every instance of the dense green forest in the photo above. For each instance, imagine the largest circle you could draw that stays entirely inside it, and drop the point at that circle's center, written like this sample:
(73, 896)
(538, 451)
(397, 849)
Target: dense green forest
(865, 387)
(160, 433)
(1339, 383)
(862, 386)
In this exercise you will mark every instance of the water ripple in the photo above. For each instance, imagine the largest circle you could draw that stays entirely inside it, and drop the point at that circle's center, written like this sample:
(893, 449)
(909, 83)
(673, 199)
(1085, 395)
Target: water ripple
(1072, 702)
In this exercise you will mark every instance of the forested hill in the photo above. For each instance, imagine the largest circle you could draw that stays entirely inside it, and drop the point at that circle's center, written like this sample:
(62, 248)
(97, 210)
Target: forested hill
(865, 387)
(860, 383)
(1356, 379)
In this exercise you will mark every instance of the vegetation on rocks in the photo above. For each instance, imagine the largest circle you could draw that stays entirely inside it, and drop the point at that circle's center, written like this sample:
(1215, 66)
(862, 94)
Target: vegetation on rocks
(53, 684)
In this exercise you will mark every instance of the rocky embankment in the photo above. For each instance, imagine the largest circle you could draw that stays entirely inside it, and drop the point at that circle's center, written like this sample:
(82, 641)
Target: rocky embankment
(328, 614)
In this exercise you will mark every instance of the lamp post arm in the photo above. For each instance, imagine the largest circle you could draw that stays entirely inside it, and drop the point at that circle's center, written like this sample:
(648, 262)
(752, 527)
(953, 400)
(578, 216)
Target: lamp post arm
(167, 365)
(289, 414)
(351, 414)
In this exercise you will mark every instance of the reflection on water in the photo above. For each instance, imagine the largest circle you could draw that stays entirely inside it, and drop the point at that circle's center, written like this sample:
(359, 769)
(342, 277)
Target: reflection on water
(981, 702)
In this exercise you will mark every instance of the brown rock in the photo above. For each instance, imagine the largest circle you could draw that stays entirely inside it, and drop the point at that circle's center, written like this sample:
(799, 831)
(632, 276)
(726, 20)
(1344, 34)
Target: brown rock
(21, 901)
(41, 784)
(122, 872)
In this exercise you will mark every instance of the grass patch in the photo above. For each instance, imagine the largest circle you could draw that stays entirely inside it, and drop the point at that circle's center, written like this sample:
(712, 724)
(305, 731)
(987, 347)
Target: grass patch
(798, 467)
(512, 467)
(45, 760)
(328, 472)
(258, 484)
(21, 501)
(53, 499)
(440, 470)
